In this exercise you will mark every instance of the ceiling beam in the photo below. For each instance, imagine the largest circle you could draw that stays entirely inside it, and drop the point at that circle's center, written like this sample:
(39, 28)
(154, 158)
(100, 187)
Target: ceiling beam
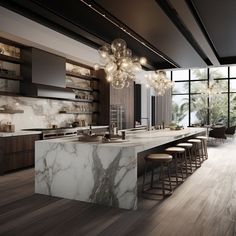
(186, 12)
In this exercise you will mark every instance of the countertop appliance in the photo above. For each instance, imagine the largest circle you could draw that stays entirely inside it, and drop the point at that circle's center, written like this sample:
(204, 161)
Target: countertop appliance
(49, 133)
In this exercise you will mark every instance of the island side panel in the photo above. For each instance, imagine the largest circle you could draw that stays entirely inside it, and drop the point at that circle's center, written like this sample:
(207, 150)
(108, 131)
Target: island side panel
(93, 173)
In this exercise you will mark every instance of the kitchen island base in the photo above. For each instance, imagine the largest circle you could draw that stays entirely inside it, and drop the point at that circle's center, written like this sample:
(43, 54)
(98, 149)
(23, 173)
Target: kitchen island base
(101, 173)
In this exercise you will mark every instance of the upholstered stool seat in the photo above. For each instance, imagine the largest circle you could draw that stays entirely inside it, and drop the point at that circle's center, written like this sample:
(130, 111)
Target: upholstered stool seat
(175, 149)
(194, 140)
(159, 157)
(163, 160)
(202, 137)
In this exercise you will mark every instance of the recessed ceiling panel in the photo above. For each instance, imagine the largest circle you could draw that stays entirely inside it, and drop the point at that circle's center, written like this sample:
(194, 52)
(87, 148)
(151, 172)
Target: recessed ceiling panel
(148, 20)
(219, 19)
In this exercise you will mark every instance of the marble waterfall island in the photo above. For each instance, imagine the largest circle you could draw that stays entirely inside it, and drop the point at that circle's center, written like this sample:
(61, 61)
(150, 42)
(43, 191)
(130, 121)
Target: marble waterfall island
(102, 173)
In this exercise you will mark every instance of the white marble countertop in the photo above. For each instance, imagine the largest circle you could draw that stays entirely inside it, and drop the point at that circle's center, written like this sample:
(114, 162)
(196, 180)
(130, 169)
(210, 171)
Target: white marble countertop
(144, 139)
(110, 169)
(19, 133)
(93, 127)
(29, 132)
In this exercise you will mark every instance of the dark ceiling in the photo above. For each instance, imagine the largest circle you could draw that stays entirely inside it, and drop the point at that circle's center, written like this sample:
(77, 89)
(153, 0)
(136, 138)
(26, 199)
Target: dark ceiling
(217, 20)
(157, 29)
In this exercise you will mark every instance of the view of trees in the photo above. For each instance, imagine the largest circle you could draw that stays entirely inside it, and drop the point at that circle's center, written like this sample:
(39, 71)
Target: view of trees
(202, 104)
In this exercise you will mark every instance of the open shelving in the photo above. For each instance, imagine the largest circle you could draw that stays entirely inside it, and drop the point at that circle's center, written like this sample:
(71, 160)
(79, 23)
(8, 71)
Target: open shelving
(76, 112)
(11, 111)
(10, 59)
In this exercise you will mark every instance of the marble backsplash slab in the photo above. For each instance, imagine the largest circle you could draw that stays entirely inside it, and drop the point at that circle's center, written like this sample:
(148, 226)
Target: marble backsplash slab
(41, 113)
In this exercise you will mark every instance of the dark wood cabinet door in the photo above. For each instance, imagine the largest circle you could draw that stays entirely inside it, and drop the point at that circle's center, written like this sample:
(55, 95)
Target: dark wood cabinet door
(17, 152)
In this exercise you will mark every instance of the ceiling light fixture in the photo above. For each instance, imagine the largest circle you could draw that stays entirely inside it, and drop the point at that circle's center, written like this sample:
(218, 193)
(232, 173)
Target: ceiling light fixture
(159, 82)
(120, 65)
(212, 89)
(127, 32)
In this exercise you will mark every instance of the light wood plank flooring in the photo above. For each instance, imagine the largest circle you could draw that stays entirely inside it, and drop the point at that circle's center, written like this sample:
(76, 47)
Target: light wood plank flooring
(205, 204)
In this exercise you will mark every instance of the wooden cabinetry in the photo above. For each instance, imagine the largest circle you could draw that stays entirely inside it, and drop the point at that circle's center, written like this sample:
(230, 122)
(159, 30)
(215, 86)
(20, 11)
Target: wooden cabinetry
(10, 62)
(82, 81)
(17, 152)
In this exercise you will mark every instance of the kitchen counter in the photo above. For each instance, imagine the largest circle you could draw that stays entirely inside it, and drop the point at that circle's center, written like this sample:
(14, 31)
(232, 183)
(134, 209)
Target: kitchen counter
(103, 173)
(19, 133)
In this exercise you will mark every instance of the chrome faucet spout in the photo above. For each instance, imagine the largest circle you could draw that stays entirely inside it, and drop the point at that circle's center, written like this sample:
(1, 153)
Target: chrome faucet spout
(148, 122)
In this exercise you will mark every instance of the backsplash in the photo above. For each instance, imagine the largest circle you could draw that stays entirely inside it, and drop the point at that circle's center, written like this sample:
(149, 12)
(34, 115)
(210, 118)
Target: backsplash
(42, 113)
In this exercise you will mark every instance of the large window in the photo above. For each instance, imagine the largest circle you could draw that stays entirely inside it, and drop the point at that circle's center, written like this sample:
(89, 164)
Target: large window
(180, 97)
(192, 105)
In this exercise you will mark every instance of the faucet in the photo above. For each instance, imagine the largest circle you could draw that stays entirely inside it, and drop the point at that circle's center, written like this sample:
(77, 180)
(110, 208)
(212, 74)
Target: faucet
(148, 122)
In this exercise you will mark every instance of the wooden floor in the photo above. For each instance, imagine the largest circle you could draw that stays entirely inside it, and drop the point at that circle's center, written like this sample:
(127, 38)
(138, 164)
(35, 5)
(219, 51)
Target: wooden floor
(205, 204)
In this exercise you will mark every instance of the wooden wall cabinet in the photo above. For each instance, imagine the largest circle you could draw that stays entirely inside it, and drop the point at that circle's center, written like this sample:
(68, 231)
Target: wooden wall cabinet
(110, 97)
(17, 152)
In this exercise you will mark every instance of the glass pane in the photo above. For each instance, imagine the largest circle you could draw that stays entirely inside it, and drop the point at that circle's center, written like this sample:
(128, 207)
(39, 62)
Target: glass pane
(218, 72)
(168, 72)
(9, 86)
(180, 105)
(199, 109)
(233, 85)
(180, 75)
(198, 74)
(180, 87)
(232, 109)
(219, 109)
(198, 86)
(222, 85)
(9, 69)
(232, 71)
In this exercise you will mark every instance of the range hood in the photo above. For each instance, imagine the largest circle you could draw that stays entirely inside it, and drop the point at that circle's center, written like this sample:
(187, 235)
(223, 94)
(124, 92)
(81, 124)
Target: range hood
(44, 75)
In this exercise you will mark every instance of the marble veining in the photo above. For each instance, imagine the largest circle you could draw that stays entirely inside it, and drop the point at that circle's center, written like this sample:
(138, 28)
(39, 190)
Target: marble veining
(87, 172)
(39, 112)
(103, 173)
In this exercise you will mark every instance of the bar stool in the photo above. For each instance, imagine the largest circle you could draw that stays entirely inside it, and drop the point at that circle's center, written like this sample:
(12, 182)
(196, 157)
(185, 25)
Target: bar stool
(197, 151)
(178, 156)
(204, 145)
(188, 147)
(163, 160)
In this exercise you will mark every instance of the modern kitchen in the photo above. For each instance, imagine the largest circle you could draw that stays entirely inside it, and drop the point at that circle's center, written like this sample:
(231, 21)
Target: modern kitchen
(117, 118)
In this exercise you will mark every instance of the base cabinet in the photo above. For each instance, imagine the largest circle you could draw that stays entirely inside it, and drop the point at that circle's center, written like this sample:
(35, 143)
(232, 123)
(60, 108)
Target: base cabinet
(17, 152)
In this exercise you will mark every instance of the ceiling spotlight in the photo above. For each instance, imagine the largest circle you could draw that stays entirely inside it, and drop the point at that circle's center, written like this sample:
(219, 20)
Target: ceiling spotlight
(96, 67)
(143, 60)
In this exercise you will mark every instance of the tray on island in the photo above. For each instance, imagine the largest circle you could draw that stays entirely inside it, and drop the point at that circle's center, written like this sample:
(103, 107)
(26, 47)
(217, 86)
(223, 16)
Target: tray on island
(90, 138)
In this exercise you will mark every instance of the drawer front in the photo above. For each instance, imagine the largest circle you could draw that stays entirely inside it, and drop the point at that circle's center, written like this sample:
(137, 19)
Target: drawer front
(18, 143)
(14, 161)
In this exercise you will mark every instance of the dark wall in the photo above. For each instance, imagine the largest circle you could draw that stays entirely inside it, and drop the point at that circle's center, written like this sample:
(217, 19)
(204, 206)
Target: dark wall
(104, 99)
(137, 102)
(124, 97)
(153, 109)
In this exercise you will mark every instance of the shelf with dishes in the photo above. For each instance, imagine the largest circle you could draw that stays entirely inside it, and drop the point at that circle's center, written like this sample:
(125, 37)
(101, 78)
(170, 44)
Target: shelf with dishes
(80, 76)
(10, 111)
(6, 75)
(10, 63)
(10, 59)
(78, 112)
(81, 84)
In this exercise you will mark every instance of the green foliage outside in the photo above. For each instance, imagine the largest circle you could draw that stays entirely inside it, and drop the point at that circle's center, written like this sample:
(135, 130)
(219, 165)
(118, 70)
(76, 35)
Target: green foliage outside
(218, 104)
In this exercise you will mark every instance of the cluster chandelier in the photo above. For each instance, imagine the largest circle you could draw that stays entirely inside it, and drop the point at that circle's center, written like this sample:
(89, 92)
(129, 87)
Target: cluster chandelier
(159, 82)
(120, 65)
(212, 89)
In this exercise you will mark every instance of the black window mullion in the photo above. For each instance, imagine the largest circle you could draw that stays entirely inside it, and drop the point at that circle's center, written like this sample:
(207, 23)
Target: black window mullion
(208, 99)
(228, 97)
(189, 98)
